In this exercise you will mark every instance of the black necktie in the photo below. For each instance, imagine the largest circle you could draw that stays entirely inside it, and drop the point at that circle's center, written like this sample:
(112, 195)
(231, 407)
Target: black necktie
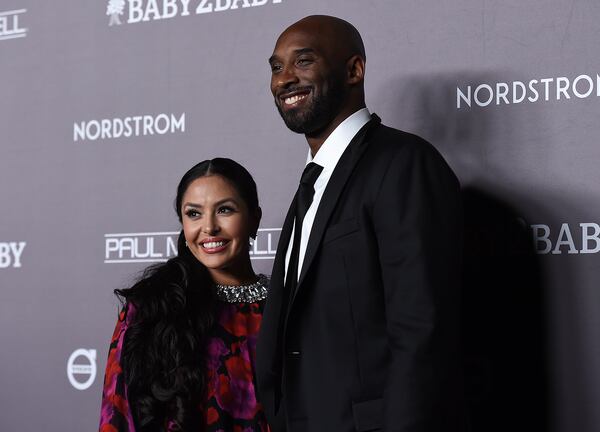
(304, 197)
(302, 202)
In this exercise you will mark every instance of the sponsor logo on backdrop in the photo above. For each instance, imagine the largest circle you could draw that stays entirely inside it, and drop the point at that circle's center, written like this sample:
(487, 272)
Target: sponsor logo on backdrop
(152, 247)
(114, 10)
(10, 24)
(132, 126)
(142, 247)
(81, 368)
(265, 244)
(568, 239)
(532, 91)
(136, 11)
(10, 254)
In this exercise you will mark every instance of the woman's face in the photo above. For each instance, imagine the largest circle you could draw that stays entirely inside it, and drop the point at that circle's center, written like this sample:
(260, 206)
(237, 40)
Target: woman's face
(217, 224)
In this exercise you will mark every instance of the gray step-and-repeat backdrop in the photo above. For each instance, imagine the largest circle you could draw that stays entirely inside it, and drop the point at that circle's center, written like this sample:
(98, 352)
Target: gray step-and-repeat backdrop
(105, 104)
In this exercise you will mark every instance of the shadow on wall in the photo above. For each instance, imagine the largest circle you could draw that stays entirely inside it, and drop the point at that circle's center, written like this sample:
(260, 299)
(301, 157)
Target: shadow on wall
(504, 299)
(504, 334)
(426, 105)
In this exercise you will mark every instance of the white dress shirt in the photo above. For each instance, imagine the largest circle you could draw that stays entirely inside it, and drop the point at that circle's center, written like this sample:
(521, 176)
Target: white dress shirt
(328, 156)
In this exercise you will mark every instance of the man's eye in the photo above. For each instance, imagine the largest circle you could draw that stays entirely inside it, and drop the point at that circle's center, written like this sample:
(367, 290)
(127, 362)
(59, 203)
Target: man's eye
(275, 67)
(305, 61)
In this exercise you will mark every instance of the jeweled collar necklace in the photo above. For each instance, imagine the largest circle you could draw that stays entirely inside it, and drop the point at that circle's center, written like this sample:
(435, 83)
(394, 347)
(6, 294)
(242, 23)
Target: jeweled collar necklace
(250, 293)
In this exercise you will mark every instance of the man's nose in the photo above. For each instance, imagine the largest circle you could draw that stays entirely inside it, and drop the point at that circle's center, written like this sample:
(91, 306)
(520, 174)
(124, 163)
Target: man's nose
(286, 77)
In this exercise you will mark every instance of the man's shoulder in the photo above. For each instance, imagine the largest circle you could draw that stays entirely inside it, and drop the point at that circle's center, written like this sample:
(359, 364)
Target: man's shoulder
(391, 143)
(389, 147)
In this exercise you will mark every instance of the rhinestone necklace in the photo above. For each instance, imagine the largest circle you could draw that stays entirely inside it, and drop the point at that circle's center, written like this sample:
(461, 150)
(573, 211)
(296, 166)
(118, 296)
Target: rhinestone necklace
(249, 293)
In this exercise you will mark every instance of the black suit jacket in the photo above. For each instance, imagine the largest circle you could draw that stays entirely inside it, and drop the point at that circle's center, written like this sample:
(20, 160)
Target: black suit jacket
(370, 339)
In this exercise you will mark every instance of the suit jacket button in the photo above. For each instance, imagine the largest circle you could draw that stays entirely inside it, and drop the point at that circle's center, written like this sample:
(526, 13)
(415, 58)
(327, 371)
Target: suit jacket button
(293, 354)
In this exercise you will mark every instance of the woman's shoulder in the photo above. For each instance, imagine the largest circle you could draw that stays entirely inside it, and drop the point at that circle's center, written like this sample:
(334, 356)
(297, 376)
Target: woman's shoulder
(127, 313)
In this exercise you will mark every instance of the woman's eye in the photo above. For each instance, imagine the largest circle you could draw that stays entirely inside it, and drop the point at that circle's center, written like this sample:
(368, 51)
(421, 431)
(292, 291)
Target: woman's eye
(192, 213)
(225, 210)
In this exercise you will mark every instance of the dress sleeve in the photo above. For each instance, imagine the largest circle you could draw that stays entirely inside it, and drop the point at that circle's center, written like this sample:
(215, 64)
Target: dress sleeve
(115, 415)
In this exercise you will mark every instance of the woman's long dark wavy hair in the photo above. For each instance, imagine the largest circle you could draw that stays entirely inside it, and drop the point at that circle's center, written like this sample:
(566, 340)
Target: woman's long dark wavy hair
(164, 353)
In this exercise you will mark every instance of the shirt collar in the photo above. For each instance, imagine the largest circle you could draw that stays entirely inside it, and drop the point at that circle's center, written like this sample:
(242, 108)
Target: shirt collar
(331, 151)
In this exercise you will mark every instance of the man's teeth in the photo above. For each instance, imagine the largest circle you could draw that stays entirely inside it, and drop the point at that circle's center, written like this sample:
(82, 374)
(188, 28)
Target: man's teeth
(293, 99)
(212, 245)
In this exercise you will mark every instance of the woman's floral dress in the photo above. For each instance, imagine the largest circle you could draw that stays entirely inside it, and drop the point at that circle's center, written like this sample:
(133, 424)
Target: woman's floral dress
(231, 404)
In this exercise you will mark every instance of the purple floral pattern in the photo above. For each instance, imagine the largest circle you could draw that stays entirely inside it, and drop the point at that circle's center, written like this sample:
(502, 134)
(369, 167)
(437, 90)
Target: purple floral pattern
(231, 404)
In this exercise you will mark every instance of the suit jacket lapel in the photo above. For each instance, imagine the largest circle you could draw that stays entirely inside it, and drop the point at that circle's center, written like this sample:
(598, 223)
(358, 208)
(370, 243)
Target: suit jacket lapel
(276, 305)
(277, 278)
(332, 193)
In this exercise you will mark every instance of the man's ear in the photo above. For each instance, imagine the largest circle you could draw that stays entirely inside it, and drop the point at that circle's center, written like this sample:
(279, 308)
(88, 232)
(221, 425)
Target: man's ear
(355, 68)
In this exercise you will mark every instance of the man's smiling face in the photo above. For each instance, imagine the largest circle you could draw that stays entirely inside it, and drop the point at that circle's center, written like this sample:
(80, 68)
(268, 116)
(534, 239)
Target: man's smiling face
(307, 85)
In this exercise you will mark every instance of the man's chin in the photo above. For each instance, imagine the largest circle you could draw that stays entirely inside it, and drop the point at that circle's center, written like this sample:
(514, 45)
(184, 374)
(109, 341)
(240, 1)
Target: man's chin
(295, 121)
(297, 128)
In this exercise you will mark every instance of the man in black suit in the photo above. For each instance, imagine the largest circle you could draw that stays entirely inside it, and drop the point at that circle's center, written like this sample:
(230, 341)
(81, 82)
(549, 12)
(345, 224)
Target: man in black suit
(360, 328)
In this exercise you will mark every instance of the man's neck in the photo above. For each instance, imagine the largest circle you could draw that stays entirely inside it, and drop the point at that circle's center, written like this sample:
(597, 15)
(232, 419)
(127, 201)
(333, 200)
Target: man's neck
(316, 140)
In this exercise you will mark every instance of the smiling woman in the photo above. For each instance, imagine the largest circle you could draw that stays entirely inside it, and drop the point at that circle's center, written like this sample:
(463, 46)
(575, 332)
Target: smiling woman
(182, 354)
(217, 224)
